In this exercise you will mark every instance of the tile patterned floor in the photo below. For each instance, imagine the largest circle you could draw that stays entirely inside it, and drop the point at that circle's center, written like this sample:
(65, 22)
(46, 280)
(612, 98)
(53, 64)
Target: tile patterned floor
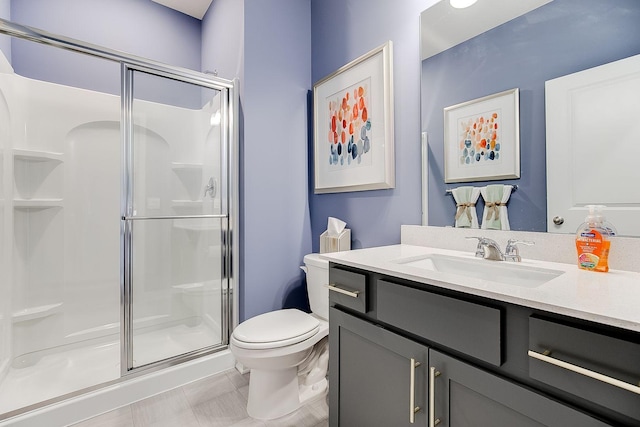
(216, 401)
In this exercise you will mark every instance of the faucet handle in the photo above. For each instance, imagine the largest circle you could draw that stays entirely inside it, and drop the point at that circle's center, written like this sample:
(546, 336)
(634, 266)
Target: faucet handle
(511, 252)
(512, 243)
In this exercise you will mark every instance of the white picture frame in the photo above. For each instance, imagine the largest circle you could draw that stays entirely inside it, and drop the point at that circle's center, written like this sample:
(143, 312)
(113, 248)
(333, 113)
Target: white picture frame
(482, 139)
(353, 125)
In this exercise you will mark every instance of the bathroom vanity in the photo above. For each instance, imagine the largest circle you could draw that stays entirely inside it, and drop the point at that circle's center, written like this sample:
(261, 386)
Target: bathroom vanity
(480, 343)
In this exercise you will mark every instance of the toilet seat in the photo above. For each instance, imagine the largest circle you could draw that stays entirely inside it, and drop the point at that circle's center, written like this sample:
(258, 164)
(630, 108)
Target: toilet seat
(275, 329)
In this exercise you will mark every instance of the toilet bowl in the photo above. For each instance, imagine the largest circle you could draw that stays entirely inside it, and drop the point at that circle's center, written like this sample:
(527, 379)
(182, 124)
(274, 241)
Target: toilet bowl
(287, 350)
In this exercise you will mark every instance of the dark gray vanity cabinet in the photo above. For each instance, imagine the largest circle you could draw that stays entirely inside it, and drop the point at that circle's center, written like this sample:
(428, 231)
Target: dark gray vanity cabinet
(465, 396)
(470, 328)
(600, 368)
(398, 348)
(380, 377)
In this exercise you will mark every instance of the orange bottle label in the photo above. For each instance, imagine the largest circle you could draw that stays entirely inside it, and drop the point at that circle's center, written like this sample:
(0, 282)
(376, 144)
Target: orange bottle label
(593, 251)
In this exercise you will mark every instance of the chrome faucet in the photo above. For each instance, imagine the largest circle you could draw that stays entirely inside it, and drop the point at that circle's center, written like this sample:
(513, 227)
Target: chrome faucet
(490, 249)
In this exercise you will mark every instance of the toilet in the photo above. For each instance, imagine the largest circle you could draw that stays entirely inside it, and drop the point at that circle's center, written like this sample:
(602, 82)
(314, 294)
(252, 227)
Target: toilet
(287, 350)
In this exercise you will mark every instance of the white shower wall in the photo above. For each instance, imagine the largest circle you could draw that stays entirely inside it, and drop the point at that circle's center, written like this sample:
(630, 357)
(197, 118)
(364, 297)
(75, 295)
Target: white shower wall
(60, 209)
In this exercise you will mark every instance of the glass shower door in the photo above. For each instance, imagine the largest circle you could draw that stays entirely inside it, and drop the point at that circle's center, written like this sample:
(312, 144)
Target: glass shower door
(175, 218)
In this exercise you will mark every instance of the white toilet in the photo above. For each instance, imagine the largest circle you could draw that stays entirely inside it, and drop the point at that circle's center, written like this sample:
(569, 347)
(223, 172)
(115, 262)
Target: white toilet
(287, 350)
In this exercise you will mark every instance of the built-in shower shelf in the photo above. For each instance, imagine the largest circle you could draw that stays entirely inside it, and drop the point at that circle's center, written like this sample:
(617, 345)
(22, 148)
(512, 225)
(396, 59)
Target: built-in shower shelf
(37, 156)
(37, 203)
(37, 312)
(196, 167)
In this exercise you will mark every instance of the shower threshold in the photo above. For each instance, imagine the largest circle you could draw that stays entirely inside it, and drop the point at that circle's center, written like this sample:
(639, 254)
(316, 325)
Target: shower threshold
(74, 367)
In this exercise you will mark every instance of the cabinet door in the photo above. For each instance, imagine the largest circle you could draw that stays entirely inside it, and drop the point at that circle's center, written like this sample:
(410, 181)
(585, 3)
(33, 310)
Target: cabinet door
(377, 378)
(468, 396)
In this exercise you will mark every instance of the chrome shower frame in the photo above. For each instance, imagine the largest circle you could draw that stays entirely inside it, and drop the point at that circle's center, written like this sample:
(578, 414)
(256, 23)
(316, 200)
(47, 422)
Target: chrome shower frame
(229, 193)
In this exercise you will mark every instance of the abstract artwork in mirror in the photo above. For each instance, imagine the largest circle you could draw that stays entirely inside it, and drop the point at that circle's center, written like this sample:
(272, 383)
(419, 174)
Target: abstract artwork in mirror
(353, 125)
(482, 139)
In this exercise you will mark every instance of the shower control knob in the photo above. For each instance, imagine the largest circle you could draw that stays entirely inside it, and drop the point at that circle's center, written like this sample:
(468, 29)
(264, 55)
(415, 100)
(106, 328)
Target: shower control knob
(558, 220)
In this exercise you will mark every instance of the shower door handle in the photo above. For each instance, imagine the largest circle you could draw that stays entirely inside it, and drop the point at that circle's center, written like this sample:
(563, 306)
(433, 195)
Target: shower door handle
(141, 218)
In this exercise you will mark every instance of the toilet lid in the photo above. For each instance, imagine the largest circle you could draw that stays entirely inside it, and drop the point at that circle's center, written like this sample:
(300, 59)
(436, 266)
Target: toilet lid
(276, 329)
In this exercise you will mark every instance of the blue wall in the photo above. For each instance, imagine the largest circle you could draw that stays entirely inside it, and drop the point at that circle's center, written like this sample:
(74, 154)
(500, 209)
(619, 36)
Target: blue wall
(341, 31)
(276, 226)
(222, 39)
(559, 38)
(267, 45)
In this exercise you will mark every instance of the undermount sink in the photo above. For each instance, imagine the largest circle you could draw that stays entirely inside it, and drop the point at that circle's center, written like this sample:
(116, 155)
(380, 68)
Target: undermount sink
(494, 271)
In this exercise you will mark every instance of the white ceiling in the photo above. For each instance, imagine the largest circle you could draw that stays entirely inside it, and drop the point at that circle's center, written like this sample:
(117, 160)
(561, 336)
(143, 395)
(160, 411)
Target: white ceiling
(195, 8)
(442, 26)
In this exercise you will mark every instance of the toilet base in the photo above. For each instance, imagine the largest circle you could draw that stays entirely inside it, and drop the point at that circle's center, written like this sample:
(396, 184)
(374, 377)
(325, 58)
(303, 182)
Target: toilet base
(274, 394)
(284, 378)
(310, 393)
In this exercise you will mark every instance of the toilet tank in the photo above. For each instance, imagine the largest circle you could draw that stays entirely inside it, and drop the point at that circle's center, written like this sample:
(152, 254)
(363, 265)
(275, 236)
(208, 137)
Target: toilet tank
(317, 280)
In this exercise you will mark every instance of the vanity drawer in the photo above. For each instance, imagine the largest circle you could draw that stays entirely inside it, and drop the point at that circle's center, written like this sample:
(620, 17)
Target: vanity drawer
(348, 289)
(598, 367)
(470, 328)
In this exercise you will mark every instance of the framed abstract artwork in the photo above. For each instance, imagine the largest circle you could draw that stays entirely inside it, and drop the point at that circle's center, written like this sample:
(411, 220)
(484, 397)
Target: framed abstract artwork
(482, 139)
(353, 125)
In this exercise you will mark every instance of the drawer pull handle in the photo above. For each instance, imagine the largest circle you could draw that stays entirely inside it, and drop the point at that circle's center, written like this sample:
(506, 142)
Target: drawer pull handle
(334, 288)
(413, 409)
(583, 371)
(433, 421)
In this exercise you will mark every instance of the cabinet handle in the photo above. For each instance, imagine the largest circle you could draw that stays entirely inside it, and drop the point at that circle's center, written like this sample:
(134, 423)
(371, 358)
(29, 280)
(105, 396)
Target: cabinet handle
(583, 371)
(334, 288)
(433, 421)
(413, 409)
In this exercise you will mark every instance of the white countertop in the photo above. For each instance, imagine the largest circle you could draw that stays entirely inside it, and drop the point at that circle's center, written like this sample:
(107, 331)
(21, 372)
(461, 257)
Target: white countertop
(611, 298)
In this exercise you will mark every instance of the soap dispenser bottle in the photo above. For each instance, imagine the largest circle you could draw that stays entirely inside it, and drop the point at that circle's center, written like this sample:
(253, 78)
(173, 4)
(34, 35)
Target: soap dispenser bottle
(592, 240)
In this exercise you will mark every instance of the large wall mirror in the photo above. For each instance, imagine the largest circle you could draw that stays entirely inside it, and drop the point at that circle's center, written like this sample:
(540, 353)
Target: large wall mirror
(575, 64)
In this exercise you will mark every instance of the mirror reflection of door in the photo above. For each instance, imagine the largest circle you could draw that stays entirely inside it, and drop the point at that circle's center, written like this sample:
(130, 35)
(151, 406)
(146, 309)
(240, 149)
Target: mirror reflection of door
(592, 146)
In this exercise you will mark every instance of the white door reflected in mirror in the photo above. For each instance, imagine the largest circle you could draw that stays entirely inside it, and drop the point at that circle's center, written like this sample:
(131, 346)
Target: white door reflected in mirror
(591, 122)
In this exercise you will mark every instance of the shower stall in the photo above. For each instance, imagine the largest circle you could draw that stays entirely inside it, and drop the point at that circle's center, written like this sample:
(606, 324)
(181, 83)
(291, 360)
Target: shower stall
(117, 207)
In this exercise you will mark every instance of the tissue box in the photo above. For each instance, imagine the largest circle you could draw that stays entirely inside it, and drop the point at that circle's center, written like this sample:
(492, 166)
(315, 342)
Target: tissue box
(342, 242)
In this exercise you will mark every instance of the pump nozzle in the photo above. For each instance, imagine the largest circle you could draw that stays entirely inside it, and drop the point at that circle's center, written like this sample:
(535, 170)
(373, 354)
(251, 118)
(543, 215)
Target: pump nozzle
(596, 218)
(595, 213)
